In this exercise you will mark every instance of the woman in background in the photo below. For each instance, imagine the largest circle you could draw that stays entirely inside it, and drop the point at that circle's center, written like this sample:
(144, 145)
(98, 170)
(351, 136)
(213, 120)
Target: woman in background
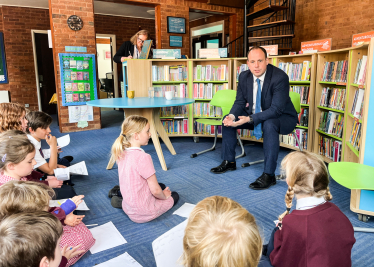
(131, 49)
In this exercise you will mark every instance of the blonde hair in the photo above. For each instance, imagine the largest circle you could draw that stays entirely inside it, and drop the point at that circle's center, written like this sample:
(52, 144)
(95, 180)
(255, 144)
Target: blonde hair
(10, 116)
(134, 38)
(14, 148)
(306, 174)
(220, 232)
(23, 196)
(131, 125)
(26, 238)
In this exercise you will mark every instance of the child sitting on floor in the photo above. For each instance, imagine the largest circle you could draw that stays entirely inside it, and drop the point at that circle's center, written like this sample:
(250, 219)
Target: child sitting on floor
(38, 129)
(32, 240)
(144, 199)
(21, 196)
(220, 232)
(317, 233)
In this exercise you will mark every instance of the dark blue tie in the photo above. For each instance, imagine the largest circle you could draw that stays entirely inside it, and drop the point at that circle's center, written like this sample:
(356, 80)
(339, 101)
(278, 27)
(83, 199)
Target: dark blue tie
(257, 130)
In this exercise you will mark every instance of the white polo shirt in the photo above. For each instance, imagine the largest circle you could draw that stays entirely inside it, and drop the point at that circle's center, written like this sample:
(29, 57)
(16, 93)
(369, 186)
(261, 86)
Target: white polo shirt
(38, 157)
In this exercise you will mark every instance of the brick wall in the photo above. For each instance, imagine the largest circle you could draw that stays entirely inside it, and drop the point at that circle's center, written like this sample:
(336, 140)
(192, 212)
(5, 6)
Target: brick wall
(339, 20)
(16, 25)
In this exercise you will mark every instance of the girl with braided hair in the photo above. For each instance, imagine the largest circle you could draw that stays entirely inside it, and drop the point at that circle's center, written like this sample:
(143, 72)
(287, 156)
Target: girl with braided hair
(316, 233)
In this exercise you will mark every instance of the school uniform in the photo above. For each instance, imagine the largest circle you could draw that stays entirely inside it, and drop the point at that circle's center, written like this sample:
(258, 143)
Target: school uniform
(316, 234)
(134, 168)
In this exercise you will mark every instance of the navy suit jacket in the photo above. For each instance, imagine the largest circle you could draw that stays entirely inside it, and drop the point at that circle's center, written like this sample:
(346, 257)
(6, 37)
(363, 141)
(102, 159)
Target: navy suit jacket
(275, 99)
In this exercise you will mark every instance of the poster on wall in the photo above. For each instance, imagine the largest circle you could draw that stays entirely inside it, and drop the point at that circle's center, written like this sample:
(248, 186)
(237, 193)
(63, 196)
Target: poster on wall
(3, 70)
(175, 41)
(272, 50)
(78, 78)
(176, 25)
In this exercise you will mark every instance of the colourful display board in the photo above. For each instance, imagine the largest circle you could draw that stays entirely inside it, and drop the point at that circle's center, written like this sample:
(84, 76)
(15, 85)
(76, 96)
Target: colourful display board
(78, 78)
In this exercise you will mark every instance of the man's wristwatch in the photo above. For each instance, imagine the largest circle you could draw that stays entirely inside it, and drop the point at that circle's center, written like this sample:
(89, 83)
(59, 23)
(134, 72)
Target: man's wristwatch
(250, 119)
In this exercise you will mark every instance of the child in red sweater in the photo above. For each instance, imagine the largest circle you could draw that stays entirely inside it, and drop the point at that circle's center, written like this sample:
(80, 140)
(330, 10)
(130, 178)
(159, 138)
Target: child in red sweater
(316, 233)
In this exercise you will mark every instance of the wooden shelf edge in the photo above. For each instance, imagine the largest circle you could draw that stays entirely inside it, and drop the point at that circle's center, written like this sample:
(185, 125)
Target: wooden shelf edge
(329, 135)
(355, 151)
(331, 109)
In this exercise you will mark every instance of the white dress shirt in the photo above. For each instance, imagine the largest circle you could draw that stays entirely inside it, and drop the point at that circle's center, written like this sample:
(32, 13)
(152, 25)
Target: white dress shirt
(38, 157)
(136, 53)
(309, 202)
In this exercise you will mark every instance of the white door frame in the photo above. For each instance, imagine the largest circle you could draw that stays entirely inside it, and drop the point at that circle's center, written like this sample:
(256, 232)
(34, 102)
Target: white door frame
(36, 65)
(114, 65)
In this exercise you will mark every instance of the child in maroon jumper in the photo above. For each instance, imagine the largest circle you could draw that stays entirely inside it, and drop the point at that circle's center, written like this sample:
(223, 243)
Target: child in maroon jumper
(316, 233)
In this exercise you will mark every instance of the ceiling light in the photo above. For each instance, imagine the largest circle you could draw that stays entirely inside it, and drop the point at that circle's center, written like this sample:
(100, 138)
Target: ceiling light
(151, 12)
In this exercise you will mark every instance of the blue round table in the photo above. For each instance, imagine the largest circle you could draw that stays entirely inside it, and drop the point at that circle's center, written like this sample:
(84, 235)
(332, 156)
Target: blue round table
(150, 109)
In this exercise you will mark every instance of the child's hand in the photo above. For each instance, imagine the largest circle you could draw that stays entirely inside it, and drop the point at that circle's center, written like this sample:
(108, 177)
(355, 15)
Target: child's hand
(71, 252)
(61, 166)
(54, 183)
(167, 192)
(73, 220)
(77, 200)
(51, 140)
(59, 150)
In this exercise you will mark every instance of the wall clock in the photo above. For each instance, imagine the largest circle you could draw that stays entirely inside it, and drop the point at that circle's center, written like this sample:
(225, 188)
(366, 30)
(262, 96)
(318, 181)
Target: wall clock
(75, 23)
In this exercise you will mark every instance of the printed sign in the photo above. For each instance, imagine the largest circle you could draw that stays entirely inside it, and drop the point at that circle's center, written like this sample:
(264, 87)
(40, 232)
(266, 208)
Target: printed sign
(272, 50)
(319, 45)
(212, 52)
(176, 25)
(166, 53)
(175, 41)
(81, 49)
(361, 38)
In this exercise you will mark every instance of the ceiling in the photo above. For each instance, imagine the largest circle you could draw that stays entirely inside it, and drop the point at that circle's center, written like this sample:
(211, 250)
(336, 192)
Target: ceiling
(105, 8)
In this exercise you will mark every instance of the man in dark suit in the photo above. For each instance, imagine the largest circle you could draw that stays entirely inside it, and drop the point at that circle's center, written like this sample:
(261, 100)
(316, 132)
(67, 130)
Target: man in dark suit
(262, 104)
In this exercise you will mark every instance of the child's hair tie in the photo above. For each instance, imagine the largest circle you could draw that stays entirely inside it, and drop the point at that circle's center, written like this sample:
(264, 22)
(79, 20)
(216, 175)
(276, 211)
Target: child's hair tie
(4, 158)
(10, 137)
(124, 136)
(288, 209)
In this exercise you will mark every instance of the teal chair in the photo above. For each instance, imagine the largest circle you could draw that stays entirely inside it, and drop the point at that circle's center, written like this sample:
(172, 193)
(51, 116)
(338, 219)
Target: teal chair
(354, 176)
(225, 100)
(295, 98)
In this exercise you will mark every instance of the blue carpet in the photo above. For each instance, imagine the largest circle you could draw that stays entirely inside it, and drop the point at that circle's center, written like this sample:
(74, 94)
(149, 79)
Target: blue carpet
(193, 181)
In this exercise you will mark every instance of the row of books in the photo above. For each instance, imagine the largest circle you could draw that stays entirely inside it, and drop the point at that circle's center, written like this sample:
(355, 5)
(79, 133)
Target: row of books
(360, 74)
(335, 71)
(331, 123)
(355, 137)
(333, 98)
(175, 126)
(290, 139)
(168, 73)
(330, 148)
(200, 128)
(243, 67)
(207, 110)
(304, 117)
(247, 133)
(210, 73)
(298, 71)
(179, 90)
(207, 90)
(358, 103)
(303, 91)
(176, 111)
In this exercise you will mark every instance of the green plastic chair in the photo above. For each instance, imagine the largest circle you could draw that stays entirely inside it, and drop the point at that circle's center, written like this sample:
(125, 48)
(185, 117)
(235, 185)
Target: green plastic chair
(295, 99)
(354, 176)
(225, 100)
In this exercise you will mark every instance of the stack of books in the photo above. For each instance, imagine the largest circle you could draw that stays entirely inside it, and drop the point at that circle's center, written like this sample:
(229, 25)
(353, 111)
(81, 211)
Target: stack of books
(303, 91)
(333, 98)
(358, 103)
(289, 139)
(207, 90)
(360, 74)
(331, 123)
(297, 72)
(177, 111)
(179, 90)
(168, 73)
(207, 110)
(335, 71)
(240, 69)
(210, 73)
(355, 138)
(330, 148)
(304, 117)
(175, 126)
(200, 128)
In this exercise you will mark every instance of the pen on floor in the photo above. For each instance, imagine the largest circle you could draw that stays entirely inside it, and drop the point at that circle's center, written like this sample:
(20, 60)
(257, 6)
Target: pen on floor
(91, 225)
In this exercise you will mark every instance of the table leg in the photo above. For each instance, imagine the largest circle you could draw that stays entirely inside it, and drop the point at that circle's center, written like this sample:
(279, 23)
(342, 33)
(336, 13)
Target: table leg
(161, 131)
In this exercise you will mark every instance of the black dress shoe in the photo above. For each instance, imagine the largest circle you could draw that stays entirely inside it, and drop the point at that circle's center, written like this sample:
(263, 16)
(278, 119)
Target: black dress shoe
(114, 191)
(263, 182)
(68, 158)
(225, 166)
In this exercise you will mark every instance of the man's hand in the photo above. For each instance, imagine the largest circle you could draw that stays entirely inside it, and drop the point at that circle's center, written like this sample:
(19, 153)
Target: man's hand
(228, 121)
(241, 121)
(73, 220)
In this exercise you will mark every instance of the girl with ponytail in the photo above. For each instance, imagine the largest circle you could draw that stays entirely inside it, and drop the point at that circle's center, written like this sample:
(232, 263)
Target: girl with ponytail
(140, 195)
(316, 233)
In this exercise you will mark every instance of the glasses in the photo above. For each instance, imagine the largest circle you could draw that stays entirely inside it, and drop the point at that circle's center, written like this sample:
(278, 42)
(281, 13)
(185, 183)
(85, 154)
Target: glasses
(140, 40)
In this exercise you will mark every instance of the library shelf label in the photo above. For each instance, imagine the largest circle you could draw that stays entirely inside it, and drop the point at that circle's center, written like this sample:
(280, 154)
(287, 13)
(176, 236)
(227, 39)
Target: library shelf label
(320, 45)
